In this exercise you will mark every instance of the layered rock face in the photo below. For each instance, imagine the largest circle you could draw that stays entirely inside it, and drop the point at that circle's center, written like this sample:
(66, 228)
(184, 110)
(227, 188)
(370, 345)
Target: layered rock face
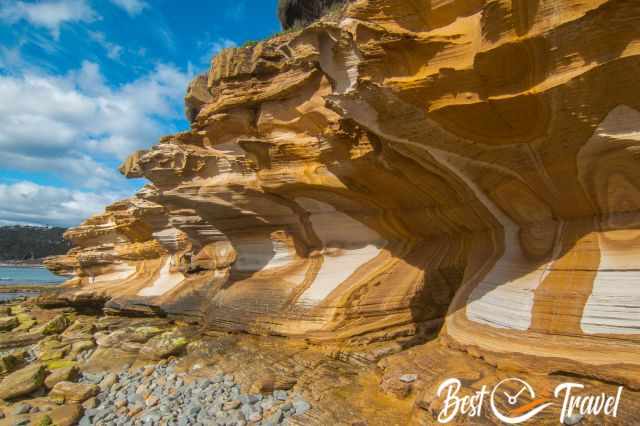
(370, 176)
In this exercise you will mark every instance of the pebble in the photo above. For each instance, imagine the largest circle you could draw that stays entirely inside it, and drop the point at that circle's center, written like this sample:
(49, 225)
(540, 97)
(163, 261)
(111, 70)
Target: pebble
(21, 408)
(152, 400)
(573, 420)
(255, 417)
(301, 406)
(151, 418)
(231, 405)
(276, 417)
(169, 400)
(92, 378)
(408, 378)
(90, 403)
(108, 381)
(266, 404)
(135, 410)
(280, 395)
(193, 409)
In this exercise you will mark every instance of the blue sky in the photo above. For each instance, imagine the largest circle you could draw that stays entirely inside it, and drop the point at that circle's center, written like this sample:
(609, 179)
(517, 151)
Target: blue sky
(85, 82)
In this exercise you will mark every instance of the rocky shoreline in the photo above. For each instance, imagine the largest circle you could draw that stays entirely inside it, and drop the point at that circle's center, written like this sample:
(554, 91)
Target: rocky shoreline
(69, 366)
(64, 367)
(28, 288)
(55, 373)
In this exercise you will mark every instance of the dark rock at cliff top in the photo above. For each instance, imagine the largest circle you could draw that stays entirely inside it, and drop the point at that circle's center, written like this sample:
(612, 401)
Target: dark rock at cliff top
(302, 12)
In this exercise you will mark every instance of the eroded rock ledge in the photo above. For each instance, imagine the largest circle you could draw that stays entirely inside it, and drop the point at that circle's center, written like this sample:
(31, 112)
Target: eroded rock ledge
(370, 177)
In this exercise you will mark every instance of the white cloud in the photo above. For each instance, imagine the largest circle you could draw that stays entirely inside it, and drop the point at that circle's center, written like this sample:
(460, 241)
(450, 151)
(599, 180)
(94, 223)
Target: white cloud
(28, 202)
(49, 14)
(77, 168)
(132, 7)
(113, 50)
(68, 126)
(78, 117)
(74, 127)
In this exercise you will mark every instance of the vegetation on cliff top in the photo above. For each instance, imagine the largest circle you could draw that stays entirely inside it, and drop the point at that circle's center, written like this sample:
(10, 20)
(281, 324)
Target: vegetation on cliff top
(295, 15)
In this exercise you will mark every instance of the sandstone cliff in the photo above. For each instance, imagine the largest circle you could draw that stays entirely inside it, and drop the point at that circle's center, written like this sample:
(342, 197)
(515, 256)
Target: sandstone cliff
(405, 165)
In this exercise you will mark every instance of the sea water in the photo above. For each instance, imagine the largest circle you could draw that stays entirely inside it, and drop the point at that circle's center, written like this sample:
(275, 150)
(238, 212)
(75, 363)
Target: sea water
(10, 275)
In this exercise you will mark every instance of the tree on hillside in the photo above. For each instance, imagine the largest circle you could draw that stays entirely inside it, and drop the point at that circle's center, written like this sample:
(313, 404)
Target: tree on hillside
(31, 242)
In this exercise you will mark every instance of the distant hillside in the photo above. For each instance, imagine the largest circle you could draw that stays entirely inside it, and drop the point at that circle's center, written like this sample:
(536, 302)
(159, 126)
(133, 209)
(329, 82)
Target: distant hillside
(30, 242)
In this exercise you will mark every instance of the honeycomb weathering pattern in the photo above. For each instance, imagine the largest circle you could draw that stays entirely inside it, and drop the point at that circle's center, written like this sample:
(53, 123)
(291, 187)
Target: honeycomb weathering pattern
(471, 161)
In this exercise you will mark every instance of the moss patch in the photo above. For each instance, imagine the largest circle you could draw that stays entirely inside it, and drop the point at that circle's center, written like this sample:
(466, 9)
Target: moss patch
(45, 421)
(60, 363)
(179, 341)
(8, 363)
(57, 325)
(17, 309)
